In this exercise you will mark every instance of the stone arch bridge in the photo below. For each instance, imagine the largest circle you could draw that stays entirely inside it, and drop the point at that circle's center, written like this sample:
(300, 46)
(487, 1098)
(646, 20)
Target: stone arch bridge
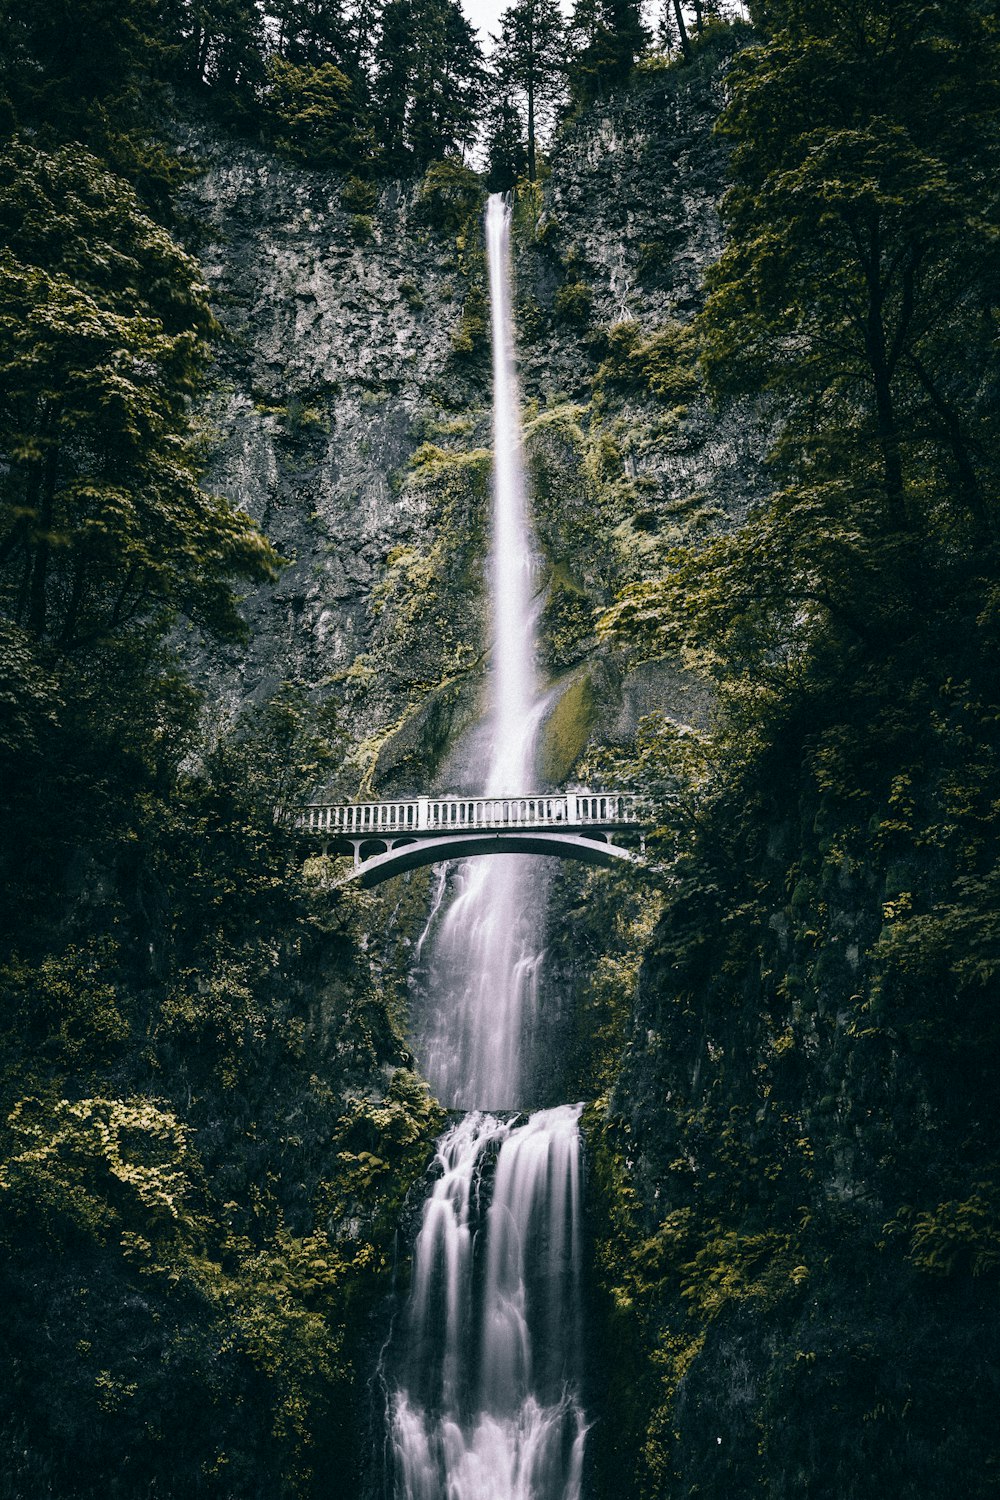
(387, 838)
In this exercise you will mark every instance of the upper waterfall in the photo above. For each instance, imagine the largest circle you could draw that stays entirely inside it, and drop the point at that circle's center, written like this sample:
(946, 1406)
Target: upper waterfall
(485, 954)
(516, 703)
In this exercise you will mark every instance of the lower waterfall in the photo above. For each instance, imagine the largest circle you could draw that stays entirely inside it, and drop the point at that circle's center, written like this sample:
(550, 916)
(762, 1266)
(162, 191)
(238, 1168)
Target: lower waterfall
(484, 1369)
(487, 1406)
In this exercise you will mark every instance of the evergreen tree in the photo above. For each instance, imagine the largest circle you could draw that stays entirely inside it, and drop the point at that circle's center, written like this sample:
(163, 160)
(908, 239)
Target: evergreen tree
(311, 31)
(607, 36)
(61, 61)
(314, 112)
(506, 153)
(530, 60)
(428, 83)
(104, 334)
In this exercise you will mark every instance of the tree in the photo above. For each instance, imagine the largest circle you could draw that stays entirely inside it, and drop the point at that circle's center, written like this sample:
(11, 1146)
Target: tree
(104, 334)
(506, 154)
(217, 45)
(606, 37)
(530, 61)
(312, 31)
(428, 82)
(60, 60)
(314, 111)
(857, 287)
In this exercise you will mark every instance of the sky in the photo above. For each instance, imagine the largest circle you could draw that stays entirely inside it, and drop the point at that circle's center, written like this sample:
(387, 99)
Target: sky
(485, 14)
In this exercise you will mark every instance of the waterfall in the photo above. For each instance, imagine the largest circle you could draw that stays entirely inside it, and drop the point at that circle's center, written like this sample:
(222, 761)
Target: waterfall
(486, 1404)
(483, 1370)
(485, 958)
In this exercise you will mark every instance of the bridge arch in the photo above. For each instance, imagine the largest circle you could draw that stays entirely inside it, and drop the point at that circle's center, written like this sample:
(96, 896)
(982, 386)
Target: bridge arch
(371, 869)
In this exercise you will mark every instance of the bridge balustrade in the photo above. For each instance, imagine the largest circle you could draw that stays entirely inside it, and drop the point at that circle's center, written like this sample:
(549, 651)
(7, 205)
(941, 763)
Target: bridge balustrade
(435, 814)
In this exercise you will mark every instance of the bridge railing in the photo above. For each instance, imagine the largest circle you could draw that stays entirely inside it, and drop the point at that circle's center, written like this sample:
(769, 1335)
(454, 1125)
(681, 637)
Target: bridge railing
(421, 815)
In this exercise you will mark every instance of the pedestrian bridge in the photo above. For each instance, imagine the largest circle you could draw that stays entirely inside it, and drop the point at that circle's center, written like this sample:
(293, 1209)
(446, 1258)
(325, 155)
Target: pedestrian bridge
(387, 838)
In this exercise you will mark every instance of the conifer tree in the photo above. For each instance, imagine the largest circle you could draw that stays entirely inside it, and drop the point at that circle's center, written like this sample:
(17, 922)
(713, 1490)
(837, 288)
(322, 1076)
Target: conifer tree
(607, 36)
(312, 31)
(104, 334)
(530, 62)
(506, 154)
(428, 82)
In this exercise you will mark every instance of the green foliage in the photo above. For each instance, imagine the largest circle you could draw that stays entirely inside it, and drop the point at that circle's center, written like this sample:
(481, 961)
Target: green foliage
(606, 38)
(358, 196)
(567, 622)
(572, 302)
(313, 113)
(209, 1117)
(69, 1004)
(104, 334)
(798, 1158)
(450, 194)
(529, 67)
(663, 362)
(428, 633)
(427, 82)
(472, 335)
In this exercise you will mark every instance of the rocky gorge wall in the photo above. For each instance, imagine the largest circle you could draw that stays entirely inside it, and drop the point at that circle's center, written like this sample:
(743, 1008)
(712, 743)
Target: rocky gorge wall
(351, 417)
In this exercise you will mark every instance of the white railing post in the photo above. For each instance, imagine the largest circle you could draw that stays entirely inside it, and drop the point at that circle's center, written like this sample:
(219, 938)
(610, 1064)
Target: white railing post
(423, 812)
(570, 807)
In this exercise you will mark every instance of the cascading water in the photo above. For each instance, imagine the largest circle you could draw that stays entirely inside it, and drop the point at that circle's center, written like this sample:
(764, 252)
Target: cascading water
(484, 1387)
(486, 952)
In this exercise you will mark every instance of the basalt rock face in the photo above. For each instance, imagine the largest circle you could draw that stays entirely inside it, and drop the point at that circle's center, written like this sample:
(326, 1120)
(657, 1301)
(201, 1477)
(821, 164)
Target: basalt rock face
(339, 362)
(351, 416)
(628, 455)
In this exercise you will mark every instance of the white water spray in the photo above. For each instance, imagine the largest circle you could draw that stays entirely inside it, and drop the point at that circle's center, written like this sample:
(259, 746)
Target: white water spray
(485, 1391)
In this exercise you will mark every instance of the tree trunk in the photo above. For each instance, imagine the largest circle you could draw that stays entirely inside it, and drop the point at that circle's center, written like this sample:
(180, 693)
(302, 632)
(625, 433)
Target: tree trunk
(531, 127)
(682, 30)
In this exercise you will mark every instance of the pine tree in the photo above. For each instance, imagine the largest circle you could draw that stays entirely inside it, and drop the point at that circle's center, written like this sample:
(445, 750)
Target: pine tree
(530, 62)
(312, 32)
(506, 153)
(607, 36)
(428, 82)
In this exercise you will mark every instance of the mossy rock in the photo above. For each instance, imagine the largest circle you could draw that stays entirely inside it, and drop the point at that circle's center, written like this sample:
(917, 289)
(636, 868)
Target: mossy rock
(410, 754)
(450, 194)
(567, 622)
(572, 303)
(567, 730)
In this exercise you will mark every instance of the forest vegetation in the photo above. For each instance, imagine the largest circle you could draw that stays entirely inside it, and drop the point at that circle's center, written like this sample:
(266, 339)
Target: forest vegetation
(209, 1113)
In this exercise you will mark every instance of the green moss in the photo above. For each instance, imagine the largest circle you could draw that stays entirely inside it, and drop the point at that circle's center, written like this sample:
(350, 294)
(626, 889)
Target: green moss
(567, 622)
(567, 729)
(572, 303)
(411, 295)
(472, 334)
(358, 196)
(450, 194)
(663, 362)
(362, 229)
